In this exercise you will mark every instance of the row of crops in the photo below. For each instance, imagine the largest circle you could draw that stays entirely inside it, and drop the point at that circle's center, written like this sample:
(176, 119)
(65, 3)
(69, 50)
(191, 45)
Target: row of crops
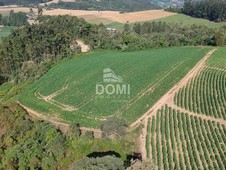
(205, 94)
(176, 140)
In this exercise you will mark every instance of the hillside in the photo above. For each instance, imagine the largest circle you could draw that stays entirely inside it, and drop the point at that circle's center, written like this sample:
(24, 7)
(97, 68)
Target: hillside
(76, 94)
(178, 19)
(19, 2)
(73, 97)
(109, 5)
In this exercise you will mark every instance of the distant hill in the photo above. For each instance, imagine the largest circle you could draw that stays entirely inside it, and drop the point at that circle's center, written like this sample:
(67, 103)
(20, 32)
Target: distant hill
(21, 2)
(168, 3)
(107, 5)
(125, 5)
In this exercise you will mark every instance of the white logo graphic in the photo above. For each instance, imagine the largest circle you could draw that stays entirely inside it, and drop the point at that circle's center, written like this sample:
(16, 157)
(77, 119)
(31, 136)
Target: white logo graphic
(113, 87)
(110, 77)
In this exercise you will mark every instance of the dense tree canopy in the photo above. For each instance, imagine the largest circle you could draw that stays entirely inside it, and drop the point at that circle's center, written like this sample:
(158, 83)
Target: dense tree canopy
(14, 19)
(113, 5)
(27, 143)
(21, 2)
(214, 10)
(104, 163)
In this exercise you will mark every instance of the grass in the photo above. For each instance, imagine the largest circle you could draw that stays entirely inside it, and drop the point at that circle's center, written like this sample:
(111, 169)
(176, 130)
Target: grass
(6, 31)
(187, 20)
(179, 18)
(150, 73)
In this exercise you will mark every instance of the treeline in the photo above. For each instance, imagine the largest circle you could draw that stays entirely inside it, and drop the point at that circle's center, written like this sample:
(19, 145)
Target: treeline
(14, 19)
(113, 5)
(208, 9)
(30, 51)
(21, 2)
(213, 10)
(161, 34)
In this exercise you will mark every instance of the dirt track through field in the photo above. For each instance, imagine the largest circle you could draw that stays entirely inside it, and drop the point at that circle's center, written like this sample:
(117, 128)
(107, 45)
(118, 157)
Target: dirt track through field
(169, 95)
(168, 99)
(221, 121)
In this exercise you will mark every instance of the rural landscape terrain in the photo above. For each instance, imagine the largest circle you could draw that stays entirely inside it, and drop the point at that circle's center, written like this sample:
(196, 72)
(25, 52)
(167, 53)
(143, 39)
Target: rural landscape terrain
(112, 85)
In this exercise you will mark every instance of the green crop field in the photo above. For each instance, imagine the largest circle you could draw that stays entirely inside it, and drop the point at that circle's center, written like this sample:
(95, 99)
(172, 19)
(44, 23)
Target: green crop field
(206, 93)
(179, 18)
(187, 20)
(180, 141)
(68, 90)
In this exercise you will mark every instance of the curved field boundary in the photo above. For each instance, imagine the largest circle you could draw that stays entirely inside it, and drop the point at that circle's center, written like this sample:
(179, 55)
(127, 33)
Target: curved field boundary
(63, 127)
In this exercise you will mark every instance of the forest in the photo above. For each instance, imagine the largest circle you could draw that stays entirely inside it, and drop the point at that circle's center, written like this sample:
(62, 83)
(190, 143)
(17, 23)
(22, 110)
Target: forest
(110, 5)
(19, 2)
(14, 19)
(27, 143)
(213, 10)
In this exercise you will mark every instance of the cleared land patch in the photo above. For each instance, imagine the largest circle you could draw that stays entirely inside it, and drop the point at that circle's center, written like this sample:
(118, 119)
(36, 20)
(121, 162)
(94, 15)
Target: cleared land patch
(143, 70)
(113, 16)
(105, 17)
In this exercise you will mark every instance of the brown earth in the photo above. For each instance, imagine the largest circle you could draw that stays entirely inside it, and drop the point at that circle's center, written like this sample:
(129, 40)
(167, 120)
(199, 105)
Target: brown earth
(106, 17)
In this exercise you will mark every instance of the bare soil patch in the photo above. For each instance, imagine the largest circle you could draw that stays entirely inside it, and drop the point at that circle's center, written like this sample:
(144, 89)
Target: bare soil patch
(106, 17)
(113, 16)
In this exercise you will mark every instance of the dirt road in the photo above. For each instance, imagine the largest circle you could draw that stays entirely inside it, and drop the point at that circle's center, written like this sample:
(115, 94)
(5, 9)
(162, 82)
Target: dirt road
(84, 47)
(169, 95)
(166, 99)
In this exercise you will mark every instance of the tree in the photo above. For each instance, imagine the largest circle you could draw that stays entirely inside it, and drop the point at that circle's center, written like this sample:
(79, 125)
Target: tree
(219, 38)
(74, 131)
(89, 135)
(1, 19)
(126, 27)
(104, 163)
(137, 28)
(141, 165)
(40, 11)
(113, 126)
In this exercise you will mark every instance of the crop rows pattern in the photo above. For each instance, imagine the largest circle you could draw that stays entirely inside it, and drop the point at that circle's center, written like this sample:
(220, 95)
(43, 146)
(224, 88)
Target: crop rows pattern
(180, 141)
(206, 92)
